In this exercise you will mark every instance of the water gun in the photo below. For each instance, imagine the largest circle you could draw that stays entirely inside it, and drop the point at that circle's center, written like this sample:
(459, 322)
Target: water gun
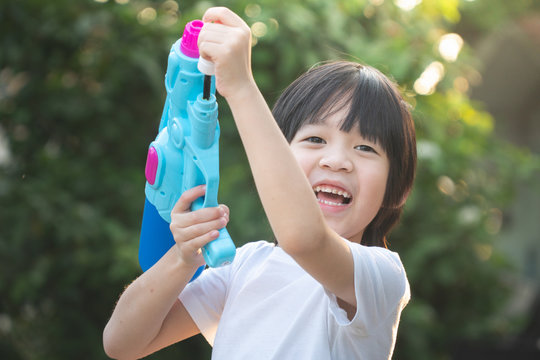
(184, 154)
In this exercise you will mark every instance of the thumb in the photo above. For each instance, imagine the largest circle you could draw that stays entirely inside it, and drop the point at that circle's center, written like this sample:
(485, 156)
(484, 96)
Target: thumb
(184, 202)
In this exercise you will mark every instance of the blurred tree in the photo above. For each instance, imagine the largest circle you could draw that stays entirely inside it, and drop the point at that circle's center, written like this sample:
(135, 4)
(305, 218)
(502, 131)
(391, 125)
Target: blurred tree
(81, 93)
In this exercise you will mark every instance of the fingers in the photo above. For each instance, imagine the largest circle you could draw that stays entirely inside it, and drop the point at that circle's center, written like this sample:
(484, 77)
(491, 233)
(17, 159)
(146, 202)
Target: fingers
(192, 247)
(190, 251)
(184, 203)
(194, 229)
(215, 38)
(212, 38)
(191, 225)
(223, 16)
(221, 26)
(225, 40)
(189, 218)
(182, 216)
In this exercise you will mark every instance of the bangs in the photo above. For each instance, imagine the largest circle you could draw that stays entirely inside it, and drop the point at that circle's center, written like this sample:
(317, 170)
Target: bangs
(373, 107)
(376, 109)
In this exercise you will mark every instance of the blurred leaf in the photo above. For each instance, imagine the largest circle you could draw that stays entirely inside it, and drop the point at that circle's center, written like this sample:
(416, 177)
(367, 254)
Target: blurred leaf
(81, 95)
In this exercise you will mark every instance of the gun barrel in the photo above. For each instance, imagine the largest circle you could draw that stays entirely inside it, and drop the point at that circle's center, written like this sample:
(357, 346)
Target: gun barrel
(203, 119)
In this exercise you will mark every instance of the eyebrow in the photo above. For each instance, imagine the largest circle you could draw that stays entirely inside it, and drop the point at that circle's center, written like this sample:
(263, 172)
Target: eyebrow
(371, 140)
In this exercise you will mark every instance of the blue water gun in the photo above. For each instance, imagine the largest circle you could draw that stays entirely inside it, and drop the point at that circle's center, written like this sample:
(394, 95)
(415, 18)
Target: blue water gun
(184, 154)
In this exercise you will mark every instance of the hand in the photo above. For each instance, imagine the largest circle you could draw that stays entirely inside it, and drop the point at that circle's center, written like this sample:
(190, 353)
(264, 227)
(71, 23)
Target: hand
(225, 39)
(194, 229)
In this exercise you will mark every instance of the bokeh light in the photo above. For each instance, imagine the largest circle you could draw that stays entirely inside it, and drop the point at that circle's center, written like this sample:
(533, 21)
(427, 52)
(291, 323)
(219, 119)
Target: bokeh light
(430, 77)
(407, 5)
(450, 46)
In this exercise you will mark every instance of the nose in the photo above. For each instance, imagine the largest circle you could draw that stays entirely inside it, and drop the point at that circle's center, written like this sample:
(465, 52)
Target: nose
(336, 161)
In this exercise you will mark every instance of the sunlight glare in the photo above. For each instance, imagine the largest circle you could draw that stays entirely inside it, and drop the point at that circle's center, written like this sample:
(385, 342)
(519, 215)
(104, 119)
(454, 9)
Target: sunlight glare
(446, 185)
(449, 46)
(428, 80)
(407, 5)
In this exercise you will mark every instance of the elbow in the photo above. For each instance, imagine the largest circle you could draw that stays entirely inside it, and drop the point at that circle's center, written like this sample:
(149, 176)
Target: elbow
(111, 344)
(117, 346)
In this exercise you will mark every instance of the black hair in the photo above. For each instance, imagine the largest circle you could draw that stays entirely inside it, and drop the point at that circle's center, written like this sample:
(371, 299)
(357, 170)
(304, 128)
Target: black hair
(376, 108)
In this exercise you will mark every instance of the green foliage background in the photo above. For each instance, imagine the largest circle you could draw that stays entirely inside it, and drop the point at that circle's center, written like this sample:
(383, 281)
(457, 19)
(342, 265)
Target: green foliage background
(81, 94)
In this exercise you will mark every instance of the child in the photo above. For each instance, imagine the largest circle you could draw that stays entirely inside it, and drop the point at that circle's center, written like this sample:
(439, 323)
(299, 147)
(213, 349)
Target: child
(333, 172)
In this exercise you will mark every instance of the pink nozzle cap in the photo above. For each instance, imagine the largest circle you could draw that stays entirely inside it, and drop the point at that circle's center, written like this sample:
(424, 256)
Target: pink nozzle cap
(188, 46)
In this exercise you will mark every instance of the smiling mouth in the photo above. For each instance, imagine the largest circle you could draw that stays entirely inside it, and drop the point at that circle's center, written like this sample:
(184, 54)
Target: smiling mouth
(332, 196)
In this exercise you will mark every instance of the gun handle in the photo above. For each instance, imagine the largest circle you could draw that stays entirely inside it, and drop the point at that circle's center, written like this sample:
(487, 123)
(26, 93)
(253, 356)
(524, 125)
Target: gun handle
(221, 251)
(218, 252)
(156, 239)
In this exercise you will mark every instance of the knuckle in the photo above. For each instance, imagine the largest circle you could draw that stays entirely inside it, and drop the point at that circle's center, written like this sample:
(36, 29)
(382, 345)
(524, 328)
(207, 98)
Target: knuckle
(241, 35)
(221, 10)
(220, 223)
(195, 217)
(246, 31)
(218, 211)
(226, 209)
(202, 46)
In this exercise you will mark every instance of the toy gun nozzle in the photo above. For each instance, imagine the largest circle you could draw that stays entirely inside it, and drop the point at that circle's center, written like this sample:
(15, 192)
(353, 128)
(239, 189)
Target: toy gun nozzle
(207, 87)
(188, 45)
(207, 68)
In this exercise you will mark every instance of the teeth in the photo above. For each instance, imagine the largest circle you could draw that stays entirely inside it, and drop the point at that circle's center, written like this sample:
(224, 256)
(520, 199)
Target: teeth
(330, 203)
(332, 191)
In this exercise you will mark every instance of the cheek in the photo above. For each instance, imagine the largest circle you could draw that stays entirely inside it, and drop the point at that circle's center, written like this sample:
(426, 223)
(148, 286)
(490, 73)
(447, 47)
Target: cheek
(305, 161)
(377, 179)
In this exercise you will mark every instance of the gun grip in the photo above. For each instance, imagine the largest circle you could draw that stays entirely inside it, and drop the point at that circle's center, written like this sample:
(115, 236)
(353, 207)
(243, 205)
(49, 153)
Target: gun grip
(220, 251)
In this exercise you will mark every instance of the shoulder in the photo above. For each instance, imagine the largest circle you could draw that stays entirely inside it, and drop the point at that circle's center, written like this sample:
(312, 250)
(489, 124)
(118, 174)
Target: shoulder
(252, 253)
(259, 248)
(256, 246)
(382, 271)
(377, 256)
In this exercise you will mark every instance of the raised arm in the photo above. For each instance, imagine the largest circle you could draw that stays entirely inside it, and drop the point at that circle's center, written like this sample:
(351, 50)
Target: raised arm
(286, 194)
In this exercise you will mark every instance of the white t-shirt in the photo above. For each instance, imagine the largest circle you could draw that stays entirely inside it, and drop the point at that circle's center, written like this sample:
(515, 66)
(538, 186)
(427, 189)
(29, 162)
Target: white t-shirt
(265, 306)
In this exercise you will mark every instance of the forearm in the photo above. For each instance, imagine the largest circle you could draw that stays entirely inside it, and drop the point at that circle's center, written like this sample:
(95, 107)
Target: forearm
(141, 310)
(285, 192)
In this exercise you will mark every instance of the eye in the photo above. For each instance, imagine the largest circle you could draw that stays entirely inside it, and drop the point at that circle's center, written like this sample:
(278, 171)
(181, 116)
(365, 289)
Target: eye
(365, 148)
(315, 140)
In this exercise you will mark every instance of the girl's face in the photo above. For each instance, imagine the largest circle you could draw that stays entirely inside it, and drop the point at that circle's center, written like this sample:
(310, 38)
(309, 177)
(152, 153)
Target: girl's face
(348, 174)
